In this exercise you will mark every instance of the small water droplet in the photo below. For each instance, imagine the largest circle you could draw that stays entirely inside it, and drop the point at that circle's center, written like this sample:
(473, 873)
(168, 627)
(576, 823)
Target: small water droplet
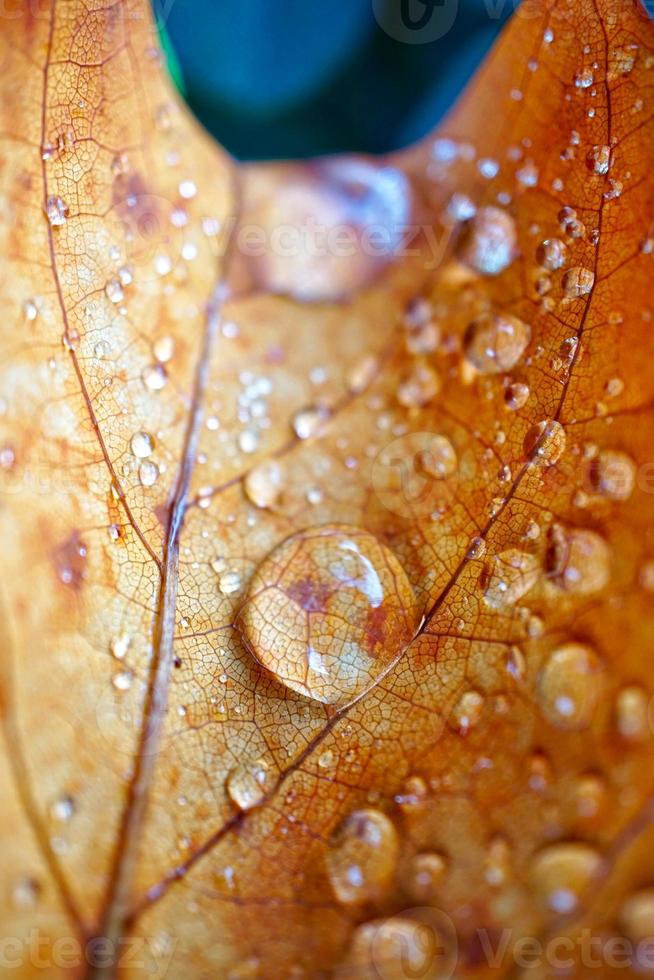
(614, 189)
(598, 159)
(154, 377)
(114, 291)
(494, 343)
(25, 893)
(590, 796)
(569, 686)
(578, 281)
(467, 711)
(71, 338)
(516, 664)
(489, 244)
(509, 576)
(551, 254)
(584, 78)
(163, 349)
(637, 918)
(488, 168)
(148, 473)
(248, 783)
(420, 387)
(248, 440)
(613, 474)
(362, 374)
(307, 422)
(362, 857)
(516, 395)
(414, 793)
(187, 190)
(30, 309)
(163, 264)
(57, 211)
(229, 582)
(142, 445)
(631, 713)
(122, 681)
(120, 645)
(545, 443)
(497, 866)
(578, 560)
(62, 810)
(461, 208)
(328, 611)
(120, 164)
(527, 174)
(476, 548)
(439, 459)
(563, 873)
(263, 484)
(425, 872)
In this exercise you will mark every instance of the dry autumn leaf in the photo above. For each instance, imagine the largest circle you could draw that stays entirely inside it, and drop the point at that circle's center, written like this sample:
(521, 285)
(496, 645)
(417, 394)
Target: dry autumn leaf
(327, 579)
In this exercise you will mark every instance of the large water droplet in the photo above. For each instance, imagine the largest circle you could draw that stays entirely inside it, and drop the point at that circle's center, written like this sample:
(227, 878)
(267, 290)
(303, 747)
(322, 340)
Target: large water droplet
(362, 857)
(328, 612)
(569, 686)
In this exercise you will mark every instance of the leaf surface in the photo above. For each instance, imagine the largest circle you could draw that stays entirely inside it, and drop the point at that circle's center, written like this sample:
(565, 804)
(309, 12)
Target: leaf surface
(178, 402)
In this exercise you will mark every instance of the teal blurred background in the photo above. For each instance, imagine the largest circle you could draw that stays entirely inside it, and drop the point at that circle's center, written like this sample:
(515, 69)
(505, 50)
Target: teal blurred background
(294, 78)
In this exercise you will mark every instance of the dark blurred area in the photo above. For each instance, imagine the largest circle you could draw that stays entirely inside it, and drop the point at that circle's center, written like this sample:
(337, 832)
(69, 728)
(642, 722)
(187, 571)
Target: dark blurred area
(294, 78)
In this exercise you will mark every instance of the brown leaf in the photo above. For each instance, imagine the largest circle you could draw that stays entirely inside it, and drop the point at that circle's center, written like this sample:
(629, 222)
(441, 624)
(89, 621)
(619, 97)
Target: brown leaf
(328, 564)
